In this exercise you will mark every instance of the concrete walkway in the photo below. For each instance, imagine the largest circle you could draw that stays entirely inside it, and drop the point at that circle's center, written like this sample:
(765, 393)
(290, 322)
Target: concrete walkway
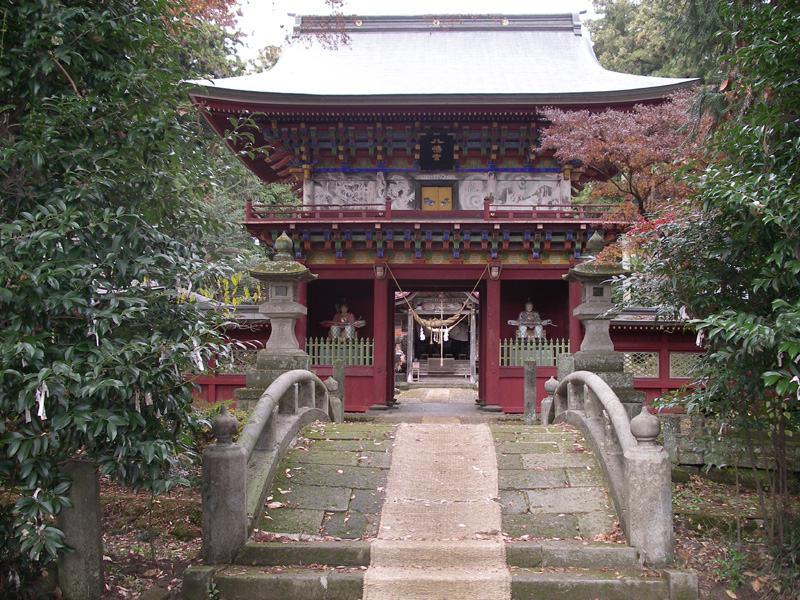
(440, 533)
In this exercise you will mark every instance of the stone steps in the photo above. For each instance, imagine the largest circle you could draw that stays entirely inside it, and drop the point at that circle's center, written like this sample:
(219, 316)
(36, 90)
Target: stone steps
(346, 583)
(547, 554)
(588, 584)
(552, 500)
(429, 583)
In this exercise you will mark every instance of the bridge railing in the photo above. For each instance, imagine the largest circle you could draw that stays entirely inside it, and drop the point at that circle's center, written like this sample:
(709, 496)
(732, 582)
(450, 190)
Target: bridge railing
(237, 475)
(638, 471)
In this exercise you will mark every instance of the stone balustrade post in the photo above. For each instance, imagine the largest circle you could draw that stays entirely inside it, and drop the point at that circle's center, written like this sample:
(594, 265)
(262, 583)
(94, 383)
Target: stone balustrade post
(530, 392)
(575, 393)
(550, 387)
(269, 433)
(648, 488)
(591, 404)
(287, 405)
(336, 407)
(224, 495)
(306, 394)
(339, 376)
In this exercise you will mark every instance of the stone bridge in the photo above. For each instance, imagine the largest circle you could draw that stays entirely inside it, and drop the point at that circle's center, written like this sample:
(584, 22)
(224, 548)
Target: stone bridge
(447, 510)
(440, 507)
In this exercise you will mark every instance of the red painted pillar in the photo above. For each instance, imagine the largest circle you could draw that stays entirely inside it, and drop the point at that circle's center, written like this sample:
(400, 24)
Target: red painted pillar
(301, 326)
(575, 333)
(491, 357)
(381, 369)
(482, 345)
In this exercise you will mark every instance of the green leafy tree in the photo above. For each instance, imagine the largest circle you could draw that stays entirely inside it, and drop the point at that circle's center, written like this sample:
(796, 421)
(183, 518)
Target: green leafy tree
(730, 257)
(101, 167)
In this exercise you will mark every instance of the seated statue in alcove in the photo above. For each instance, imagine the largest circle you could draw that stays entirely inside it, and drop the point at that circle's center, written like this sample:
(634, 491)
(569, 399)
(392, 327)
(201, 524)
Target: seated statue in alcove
(343, 324)
(529, 324)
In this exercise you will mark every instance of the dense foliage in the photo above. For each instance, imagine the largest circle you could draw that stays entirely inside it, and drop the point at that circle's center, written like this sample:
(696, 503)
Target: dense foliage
(101, 171)
(667, 38)
(729, 256)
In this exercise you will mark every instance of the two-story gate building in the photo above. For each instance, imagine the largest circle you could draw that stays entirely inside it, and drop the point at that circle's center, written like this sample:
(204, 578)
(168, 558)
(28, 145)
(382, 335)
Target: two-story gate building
(427, 204)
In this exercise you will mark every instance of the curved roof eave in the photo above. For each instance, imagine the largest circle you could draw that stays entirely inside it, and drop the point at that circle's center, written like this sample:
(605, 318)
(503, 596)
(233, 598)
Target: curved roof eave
(265, 101)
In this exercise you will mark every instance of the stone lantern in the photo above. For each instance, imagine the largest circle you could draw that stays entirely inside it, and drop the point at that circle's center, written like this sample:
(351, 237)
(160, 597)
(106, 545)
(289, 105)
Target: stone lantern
(282, 352)
(597, 350)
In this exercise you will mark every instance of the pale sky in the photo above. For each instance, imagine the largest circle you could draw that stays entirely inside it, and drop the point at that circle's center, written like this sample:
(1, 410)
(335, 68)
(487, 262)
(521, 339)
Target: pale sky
(266, 22)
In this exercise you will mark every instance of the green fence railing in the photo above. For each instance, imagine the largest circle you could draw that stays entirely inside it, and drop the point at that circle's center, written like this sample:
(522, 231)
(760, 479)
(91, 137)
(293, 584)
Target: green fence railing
(514, 352)
(354, 353)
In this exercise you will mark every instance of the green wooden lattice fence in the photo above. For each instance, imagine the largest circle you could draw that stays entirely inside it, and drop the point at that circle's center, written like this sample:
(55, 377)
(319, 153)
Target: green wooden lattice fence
(514, 352)
(354, 353)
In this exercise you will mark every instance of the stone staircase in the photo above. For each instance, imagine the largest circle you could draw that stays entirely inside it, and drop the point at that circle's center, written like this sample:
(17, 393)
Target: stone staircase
(539, 570)
(558, 526)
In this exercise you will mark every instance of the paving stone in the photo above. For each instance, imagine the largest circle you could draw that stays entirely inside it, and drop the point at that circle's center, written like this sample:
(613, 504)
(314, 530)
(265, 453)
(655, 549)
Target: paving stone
(350, 525)
(524, 479)
(541, 525)
(293, 520)
(513, 502)
(351, 445)
(348, 431)
(555, 429)
(583, 477)
(381, 460)
(595, 523)
(367, 501)
(509, 461)
(514, 428)
(561, 459)
(333, 475)
(545, 437)
(323, 457)
(527, 448)
(567, 500)
(504, 436)
(316, 496)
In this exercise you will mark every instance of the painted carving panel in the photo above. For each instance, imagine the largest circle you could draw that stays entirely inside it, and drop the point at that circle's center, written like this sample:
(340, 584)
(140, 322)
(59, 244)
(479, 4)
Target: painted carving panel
(506, 188)
(520, 189)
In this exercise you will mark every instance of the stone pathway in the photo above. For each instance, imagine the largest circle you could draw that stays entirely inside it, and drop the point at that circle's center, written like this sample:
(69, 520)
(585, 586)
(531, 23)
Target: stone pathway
(438, 499)
(445, 395)
(551, 486)
(332, 483)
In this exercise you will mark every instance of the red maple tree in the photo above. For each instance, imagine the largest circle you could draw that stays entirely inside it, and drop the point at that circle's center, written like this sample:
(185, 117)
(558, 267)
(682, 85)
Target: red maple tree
(633, 154)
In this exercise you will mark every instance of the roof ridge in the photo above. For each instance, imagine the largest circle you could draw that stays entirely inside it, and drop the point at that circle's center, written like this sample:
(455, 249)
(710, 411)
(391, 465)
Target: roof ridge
(312, 24)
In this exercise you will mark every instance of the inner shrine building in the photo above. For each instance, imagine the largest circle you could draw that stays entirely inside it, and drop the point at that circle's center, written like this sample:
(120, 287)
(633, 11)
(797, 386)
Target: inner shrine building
(438, 227)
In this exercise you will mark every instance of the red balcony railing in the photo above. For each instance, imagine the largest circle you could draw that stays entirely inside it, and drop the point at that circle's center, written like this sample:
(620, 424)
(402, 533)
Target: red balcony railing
(382, 212)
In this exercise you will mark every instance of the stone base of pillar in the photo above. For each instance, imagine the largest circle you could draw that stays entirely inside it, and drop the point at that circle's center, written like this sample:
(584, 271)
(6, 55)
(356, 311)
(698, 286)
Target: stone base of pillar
(271, 366)
(599, 362)
(80, 573)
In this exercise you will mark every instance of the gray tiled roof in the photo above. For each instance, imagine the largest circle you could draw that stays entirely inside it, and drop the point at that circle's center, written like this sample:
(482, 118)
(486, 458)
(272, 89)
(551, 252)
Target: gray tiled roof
(537, 59)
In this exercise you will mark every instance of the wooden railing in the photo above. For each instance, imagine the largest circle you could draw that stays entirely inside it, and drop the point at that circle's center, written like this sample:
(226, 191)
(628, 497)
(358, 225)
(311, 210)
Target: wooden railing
(352, 212)
(382, 212)
(354, 353)
(540, 212)
(514, 352)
